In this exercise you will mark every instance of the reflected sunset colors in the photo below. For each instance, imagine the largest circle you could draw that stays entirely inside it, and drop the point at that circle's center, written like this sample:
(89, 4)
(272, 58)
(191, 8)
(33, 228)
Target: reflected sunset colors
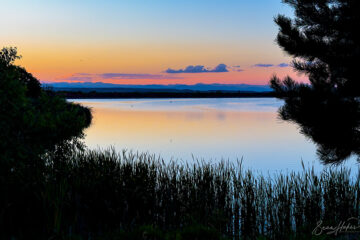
(208, 129)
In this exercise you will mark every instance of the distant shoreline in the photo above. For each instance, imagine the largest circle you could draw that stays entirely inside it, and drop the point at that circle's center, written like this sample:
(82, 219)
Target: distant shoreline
(120, 95)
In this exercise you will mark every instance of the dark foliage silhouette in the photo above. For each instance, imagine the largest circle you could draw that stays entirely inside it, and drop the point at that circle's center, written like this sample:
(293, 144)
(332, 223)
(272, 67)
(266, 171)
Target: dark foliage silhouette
(332, 121)
(51, 187)
(33, 122)
(323, 38)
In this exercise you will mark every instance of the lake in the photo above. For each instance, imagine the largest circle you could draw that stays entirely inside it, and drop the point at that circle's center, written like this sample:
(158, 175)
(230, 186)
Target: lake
(205, 129)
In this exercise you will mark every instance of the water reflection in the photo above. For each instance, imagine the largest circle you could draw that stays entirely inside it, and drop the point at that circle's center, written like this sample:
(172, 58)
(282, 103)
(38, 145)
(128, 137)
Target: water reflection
(331, 121)
(209, 129)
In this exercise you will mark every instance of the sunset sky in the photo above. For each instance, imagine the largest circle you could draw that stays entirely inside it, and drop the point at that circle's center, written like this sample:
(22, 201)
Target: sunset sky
(147, 42)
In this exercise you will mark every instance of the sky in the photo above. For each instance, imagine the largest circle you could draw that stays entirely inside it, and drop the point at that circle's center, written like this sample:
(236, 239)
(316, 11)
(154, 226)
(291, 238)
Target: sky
(147, 41)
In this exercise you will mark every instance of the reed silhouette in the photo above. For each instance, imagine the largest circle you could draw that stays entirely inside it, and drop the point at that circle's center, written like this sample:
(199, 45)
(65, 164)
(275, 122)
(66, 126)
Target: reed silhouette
(51, 187)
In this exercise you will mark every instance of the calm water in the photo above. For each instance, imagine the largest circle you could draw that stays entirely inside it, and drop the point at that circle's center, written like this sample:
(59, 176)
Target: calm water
(208, 129)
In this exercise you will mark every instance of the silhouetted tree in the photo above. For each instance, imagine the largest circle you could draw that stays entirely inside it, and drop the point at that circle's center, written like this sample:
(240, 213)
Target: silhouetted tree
(33, 123)
(32, 120)
(324, 40)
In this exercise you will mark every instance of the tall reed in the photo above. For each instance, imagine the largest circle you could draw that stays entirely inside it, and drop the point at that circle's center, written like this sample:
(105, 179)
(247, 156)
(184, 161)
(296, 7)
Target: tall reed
(91, 193)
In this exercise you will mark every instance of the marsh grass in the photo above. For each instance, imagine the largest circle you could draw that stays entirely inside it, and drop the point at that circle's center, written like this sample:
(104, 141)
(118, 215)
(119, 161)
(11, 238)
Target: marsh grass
(93, 193)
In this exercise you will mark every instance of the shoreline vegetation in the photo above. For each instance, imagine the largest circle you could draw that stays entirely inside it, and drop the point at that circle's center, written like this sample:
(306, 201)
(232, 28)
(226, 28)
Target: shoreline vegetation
(102, 194)
(164, 94)
(53, 187)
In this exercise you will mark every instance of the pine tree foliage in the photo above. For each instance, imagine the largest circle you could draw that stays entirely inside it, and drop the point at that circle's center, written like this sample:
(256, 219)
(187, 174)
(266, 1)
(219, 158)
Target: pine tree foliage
(323, 38)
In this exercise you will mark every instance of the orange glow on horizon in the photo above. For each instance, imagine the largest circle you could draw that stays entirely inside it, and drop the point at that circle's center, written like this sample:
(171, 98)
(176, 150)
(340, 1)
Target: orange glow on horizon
(58, 62)
(254, 76)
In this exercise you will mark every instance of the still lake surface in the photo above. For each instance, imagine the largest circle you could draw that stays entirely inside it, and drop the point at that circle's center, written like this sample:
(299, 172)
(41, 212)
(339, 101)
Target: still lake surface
(206, 129)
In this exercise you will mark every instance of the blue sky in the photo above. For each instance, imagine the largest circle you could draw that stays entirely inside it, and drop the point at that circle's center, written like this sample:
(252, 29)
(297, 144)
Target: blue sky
(60, 38)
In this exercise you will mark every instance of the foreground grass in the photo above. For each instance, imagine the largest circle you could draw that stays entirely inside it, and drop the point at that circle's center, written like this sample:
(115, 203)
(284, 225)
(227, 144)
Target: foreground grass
(106, 195)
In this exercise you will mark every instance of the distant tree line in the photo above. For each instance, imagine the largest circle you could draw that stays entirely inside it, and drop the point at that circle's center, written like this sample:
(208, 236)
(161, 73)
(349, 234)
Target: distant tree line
(163, 94)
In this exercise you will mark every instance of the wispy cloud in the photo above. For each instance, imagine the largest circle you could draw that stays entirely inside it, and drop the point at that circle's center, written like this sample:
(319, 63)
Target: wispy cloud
(132, 76)
(263, 65)
(199, 69)
(78, 78)
(283, 65)
(88, 77)
(237, 68)
(266, 65)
